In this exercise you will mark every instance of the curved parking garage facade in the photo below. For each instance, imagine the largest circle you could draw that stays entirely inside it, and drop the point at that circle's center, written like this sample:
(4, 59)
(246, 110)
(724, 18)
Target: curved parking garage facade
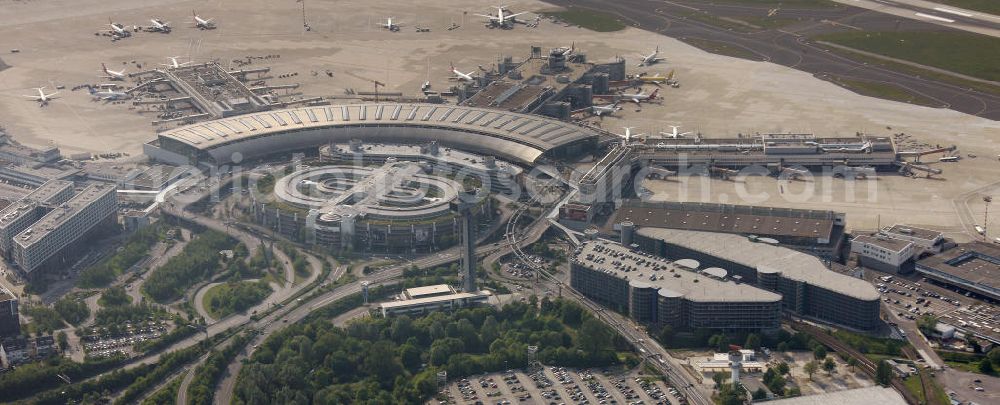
(519, 138)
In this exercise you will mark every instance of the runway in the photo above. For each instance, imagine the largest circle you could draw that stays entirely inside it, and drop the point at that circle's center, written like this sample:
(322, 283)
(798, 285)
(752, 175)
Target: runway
(790, 45)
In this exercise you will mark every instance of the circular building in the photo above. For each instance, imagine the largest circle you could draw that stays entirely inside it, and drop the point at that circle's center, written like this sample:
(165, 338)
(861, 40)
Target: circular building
(396, 207)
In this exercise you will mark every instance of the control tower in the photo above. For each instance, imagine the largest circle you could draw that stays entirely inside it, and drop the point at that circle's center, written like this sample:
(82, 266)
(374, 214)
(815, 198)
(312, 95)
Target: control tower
(464, 205)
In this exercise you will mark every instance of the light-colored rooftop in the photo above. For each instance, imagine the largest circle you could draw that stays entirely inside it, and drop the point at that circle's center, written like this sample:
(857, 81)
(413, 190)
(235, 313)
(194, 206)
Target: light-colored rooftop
(914, 232)
(648, 271)
(858, 396)
(417, 292)
(434, 299)
(445, 155)
(63, 213)
(790, 263)
(895, 245)
(532, 132)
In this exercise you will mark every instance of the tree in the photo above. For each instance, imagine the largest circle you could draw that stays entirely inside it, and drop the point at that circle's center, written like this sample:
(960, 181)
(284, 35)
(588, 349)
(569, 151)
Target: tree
(926, 324)
(62, 340)
(819, 352)
(759, 394)
(753, 341)
(783, 368)
(720, 379)
(594, 337)
(381, 362)
(986, 366)
(782, 347)
(883, 373)
(810, 368)
(853, 362)
(829, 365)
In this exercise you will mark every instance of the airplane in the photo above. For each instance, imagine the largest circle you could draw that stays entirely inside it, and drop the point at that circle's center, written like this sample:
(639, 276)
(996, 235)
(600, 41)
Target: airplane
(463, 77)
(118, 29)
(674, 135)
(567, 51)
(174, 64)
(640, 96)
(159, 26)
(501, 18)
(42, 98)
(609, 109)
(107, 94)
(651, 58)
(659, 79)
(111, 74)
(202, 23)
(627, 137)
(389, 25)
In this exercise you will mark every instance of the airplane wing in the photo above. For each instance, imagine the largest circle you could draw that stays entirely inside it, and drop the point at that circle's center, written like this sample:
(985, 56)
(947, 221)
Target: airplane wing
(515, 15)
(487, 16)
(34, 97)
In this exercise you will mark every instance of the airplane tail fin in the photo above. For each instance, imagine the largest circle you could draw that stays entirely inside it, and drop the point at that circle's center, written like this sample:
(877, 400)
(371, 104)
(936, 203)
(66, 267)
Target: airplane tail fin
(652, 96)
(105, 68)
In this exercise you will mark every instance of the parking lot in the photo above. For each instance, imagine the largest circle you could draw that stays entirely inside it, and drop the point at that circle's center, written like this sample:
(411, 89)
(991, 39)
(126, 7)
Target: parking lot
(558, 385)
(912, 296)
(104, 346)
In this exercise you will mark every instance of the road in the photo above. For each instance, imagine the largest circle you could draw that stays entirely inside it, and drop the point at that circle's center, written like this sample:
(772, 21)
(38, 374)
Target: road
(791, 46)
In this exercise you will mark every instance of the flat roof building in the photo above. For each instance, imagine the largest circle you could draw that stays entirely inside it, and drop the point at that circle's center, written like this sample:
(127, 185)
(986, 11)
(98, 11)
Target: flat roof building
(422, 300)
(974, 267)
(924, 239)
(21, 214)
(10, 323)
(797, 228)
(654, 290)
(883, 253)
(63, 226)
(807, 287)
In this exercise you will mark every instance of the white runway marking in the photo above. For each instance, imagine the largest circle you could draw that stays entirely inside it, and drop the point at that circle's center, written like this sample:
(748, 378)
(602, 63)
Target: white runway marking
(934, 17)
(950, 11)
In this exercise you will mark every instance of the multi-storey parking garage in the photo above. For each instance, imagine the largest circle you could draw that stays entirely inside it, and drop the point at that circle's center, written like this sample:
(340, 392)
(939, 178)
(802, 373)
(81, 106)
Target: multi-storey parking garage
(520, 138)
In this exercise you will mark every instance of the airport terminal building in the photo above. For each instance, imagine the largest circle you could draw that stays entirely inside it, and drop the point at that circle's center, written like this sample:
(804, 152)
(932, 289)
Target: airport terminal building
(808, 289)
(653, 290)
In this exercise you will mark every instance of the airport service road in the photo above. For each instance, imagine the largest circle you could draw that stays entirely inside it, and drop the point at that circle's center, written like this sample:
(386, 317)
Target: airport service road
(795, 49)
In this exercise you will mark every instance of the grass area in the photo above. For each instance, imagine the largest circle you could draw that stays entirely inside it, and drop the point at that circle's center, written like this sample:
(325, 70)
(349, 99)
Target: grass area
(721, 48)
(916, 71)
(913, 385)
(966, 53)
(225, 299)
(986, 6)
(887, 91)
(589, 19)
(166, 395)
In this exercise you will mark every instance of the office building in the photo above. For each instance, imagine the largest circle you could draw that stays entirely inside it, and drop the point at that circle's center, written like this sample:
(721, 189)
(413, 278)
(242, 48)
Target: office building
(883, 253)
(46, 242)
(423, 300)
(19, 215)
(10, 323)
(924, 240)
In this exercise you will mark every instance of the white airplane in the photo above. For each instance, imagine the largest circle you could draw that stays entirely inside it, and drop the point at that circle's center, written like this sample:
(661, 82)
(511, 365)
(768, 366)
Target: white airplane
(159, 25)
(111, 74)
(640, 96)
(627, 137)
(389, 25)
(651, 58)
(174, 64)
(675, 134)
(202, 23)
(609, 109)
(464, 77)
(42, 98)
(107, 94)
(501, 17)
(118, 29)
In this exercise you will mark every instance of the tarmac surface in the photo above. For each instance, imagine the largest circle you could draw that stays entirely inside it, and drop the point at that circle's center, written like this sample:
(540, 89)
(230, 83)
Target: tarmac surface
(790, 46)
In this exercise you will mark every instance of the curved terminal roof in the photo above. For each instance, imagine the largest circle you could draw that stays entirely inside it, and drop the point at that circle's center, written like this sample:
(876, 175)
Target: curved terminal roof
(520, 137)
(766, 258)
